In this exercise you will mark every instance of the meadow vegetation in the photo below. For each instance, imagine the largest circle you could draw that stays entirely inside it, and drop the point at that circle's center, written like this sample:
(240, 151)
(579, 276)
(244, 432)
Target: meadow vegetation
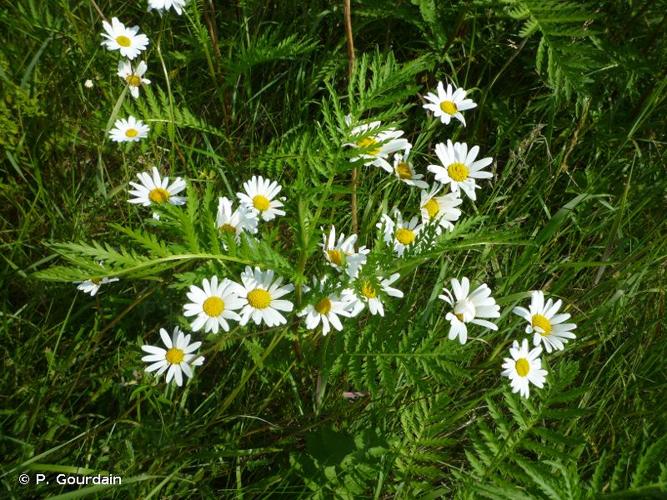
(571, 105)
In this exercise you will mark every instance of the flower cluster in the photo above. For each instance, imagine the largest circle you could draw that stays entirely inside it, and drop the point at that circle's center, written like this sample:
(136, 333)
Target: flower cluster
(220, 301)
(549, 330)
(260, 297)
(524, 367)
(458, 171)
(131, 43)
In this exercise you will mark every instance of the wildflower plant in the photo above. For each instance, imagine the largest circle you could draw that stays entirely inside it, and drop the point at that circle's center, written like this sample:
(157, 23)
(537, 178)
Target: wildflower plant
(347, 262)
(260, 280)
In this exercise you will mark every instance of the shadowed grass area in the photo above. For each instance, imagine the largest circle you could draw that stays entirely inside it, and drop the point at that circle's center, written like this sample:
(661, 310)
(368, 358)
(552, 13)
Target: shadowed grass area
(571, 106)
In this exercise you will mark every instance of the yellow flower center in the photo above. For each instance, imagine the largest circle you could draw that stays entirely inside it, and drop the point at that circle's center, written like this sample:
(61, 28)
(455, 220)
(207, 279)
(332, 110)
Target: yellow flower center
(323, 306)
(542, 323)
(432, 207)
(522, 367)
(405, 236)
(259, 299)
(227, 228)
(458, 171)
(213, 306)
(175, 356)
(335, 256)
(133, 80)
(123, 41)
(261, 203)
(131, 132)
(403, 171)
(368, 142)
(158, 195)
(367, 290)
(448, 107)
(460, 317)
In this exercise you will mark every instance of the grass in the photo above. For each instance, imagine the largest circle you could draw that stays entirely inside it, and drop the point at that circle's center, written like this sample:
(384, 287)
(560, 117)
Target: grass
(576, 208)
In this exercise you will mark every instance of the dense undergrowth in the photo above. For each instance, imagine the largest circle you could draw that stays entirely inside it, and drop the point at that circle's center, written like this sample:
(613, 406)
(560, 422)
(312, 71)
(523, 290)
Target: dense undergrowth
(571, 106)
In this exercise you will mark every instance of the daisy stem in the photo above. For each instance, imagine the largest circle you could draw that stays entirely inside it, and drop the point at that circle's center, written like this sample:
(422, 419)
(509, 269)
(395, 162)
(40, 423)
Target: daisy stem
(304, 238)
(171, 260)
(347, 12)
(232, 396)
(114, 112)
(170, 126)
(99, 11)
(216, 73)
(322, 376)
(353, 201)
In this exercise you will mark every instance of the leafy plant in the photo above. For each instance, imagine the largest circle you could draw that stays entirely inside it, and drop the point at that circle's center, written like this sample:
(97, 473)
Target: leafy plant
(571, 106)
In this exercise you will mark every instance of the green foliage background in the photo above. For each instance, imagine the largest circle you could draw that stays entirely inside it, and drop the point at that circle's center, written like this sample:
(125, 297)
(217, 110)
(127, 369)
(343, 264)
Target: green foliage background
(571, 106)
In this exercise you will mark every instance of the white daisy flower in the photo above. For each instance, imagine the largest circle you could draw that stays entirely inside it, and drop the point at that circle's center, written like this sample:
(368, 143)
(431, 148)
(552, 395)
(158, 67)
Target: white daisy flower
(177, 359)
(130, 130)
(156, 190)
(261, 294)
(547, 326)
(341, 255)
(377, 147)
(459, 168)
(469, 308)
(326, 309)
(133, 77)
(400, 234)
(260, 195)
(404, 171)
(128, 41)
(88, 84)
(235, 221)
(448, 104)
(524, 368)
(440, 209)
(213, 305)
(93, 286)
(164, 5)
(371, 293)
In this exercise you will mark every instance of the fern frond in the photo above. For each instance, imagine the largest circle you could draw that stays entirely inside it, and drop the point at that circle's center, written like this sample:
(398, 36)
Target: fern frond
(379, 81)
(155, 108)
(419, 452)
(521, 450)
(267, 46)
(150, 242)
(565, 43)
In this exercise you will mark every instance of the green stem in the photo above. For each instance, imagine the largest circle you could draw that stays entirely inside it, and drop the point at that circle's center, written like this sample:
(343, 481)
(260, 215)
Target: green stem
(171, 258)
